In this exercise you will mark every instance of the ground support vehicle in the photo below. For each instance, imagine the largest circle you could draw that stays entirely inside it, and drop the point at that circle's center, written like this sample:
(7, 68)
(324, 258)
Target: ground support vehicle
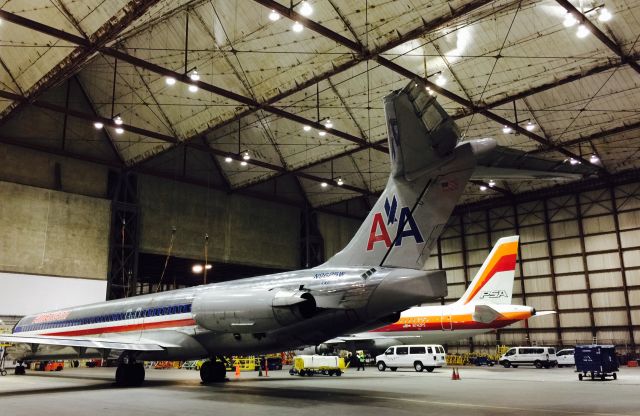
(597, 361)
(309, 365)
(418, 357)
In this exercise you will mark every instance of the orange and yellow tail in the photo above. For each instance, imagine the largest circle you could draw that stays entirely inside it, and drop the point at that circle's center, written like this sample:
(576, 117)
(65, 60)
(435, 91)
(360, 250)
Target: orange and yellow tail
(493, 284)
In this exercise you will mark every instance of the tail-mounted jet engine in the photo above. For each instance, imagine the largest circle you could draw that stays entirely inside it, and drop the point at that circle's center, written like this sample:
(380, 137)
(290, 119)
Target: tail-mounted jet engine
(252, 310)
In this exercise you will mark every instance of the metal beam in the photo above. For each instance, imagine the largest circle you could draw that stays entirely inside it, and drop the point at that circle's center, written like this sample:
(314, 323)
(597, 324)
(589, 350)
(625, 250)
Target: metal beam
(173, 140)
(613, 46)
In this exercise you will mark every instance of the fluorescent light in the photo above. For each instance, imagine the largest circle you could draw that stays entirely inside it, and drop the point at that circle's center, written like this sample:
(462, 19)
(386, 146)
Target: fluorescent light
(118, 120)
(324, 184)
(297, 27)
(340, 182)
(274, 16)
(582, 32)
(322, 133)
(243, 163)
(574, 161)
(194, 75)
(305, 9)
(197, 268)
(506, 129)
(208, 267)
(245, 156)
(491, 183)
(306, 128)
(605, 15)
(483, 188)
(98, 125)
(193, 88)
(440, 81)
(228, 159)
(569, 20)
(170, 80)
(530, 126)
(119, 130)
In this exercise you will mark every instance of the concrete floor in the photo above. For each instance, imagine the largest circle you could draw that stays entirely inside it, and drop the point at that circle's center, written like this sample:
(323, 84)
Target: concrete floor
(482, 391)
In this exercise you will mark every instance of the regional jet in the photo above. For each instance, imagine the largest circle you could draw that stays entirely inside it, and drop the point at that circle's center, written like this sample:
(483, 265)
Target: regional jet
(379, 274)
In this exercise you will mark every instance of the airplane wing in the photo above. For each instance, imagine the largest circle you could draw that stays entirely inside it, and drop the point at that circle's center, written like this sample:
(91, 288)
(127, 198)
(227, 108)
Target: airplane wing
(485, 314)
(86, 342)
(365, 338)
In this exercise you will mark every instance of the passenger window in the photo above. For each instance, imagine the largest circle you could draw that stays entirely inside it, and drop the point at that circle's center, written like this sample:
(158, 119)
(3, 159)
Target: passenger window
(416, 350)
(512, 351)
(389, 351)
(552, 350)
(430, 350)
(402, 351)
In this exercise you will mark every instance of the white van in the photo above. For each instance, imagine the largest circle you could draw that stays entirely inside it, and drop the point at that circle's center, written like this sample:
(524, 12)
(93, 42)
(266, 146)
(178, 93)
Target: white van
(419, 357)
(537, 356)
(566, 357)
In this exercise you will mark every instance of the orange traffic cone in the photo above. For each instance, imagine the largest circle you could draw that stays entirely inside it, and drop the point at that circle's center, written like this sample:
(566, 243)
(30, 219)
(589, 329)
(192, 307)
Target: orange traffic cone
(457, 374)
(453, 375)
(237, 370)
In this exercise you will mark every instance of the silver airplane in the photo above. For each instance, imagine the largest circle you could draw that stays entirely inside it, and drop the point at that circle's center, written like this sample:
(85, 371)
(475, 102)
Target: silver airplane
(366, 285)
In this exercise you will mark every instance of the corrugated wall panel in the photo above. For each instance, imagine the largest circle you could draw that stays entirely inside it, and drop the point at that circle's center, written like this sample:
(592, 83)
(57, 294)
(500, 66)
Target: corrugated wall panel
(544, 321)
(564, 229)
(634, 299)
(576, 337)
(452, 260)
(533, 233)
(629, 220)
(598, 224)
(542, 303)
(603, 261)
(568, 265)
(572, 282)
(605, 279)
(536, 267)
(574, 319)
(568, 246)
(612, 336)
(610, 318)
(534, 250)
(608, 299)
(633, 277)
(630, 238)
(631, 258)
(573, 301)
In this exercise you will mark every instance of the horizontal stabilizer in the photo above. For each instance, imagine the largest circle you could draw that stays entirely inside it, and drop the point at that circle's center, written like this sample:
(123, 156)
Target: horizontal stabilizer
(542, 313)
(485, 314)
(98, 343)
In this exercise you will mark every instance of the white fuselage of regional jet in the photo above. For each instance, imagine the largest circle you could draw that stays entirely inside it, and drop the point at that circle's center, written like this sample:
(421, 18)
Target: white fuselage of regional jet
(266, 313)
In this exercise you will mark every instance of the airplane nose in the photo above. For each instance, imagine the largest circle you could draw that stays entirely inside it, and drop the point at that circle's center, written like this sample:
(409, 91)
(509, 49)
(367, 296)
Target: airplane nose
(403, 289)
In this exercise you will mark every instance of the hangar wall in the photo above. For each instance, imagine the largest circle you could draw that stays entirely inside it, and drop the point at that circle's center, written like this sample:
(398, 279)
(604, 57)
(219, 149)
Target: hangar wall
(579, 255)
(336, 232)
(240, 230)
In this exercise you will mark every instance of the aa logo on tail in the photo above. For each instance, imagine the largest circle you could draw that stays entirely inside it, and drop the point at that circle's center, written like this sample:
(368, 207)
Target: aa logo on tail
(406, 225)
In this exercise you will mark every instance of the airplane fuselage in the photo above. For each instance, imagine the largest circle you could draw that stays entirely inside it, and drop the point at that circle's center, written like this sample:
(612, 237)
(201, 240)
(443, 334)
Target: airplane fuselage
(260, 314)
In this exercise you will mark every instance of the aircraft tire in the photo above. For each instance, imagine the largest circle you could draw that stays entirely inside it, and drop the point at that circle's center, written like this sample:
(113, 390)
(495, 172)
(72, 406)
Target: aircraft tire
(381, 366)
(211, 372)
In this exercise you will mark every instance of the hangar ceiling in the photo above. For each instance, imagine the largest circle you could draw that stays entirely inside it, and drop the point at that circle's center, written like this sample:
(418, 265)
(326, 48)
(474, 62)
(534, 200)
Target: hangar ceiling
(512, 70)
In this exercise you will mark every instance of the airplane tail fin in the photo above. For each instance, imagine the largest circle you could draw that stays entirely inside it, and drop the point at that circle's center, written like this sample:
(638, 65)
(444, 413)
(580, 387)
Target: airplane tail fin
(493, 284)
(429, 171)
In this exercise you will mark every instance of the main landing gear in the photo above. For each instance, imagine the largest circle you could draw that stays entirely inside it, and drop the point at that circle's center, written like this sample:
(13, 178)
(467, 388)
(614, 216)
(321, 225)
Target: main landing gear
(130, 374)
(213, 371)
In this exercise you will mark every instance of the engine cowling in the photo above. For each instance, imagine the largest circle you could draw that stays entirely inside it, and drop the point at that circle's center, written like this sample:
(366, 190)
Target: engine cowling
(252, 311)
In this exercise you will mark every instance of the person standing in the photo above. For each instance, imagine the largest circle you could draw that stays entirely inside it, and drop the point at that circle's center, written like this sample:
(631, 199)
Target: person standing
(361, 361)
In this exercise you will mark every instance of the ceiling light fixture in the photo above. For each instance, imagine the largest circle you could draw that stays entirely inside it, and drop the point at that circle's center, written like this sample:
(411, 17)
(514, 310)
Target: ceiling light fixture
(569, 20)
(119, 130)
(483, 188)
(197, 268)
(605, 15)
(322, 133)
(506, 130)
(340, 182)
(491, 183)
(594, 158)
(306, 128)
(440, 81)
(305, 8)
(574, 161)
(118, 120)
(297, 27)
(530, 126)
(98, 125)
(194, 75)
(170, 80)
(328, 124)
(245, 155)
(228, 159)
(582, 32)
(324, 184)
(193, 88)
(243, 163)
(274, 16)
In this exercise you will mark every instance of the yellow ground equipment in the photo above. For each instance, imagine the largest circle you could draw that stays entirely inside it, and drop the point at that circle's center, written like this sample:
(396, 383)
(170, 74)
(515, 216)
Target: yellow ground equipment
(245, 363)
(309, 365)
